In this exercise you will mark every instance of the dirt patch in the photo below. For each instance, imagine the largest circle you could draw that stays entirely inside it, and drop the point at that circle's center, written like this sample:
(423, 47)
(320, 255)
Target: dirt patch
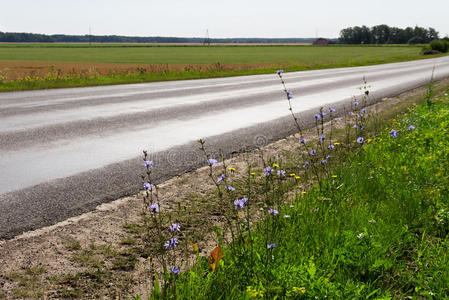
(93, 255)
(13, 70)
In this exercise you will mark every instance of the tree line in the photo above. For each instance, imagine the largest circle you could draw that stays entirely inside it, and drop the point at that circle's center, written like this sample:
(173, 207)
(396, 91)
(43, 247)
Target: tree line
(19, 37)
(384, 34)
(380, 34)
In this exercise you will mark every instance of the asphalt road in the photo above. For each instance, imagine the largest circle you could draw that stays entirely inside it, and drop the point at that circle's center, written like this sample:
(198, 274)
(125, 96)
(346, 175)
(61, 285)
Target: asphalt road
(64, 151)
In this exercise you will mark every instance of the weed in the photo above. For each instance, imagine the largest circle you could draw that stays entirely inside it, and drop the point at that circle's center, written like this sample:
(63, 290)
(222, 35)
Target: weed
(72, 245)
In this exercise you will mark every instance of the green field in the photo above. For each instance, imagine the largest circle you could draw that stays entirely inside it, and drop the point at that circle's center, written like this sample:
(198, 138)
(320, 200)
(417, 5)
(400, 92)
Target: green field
(44, 66)
(208, 55)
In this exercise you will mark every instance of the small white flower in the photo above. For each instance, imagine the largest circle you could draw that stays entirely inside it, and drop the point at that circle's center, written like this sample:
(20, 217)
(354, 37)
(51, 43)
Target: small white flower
(286, 216)
(372, 221)
(291, 205)
(361, 235)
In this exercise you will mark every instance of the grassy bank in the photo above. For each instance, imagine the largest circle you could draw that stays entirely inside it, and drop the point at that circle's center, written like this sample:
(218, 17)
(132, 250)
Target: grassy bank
(377, 226)
(175, 63)
(374, 225)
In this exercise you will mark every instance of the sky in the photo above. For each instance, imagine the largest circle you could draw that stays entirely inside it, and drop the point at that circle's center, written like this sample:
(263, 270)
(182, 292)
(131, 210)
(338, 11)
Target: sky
(222, 18)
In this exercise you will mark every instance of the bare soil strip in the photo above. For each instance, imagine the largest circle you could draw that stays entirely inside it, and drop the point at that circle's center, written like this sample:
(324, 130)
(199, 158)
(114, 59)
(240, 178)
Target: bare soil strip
(13, 70)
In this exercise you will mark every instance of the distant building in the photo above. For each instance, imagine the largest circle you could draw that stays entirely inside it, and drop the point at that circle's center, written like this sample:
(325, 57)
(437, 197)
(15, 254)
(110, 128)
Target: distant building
(323, 42)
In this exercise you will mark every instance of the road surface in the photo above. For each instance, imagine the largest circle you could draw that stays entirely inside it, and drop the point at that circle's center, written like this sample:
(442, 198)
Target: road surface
(64, 151)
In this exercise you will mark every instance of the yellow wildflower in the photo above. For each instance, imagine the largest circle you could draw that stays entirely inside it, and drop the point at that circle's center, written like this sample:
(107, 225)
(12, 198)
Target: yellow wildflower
(275, 166)
(299, 289)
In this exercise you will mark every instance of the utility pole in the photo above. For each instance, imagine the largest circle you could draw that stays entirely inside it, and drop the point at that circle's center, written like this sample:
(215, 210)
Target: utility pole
(207, 39)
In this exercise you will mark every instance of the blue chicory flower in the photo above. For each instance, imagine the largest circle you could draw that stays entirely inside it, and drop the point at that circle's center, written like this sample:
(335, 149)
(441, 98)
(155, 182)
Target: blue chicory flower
(411, 127)
(331, 147)
(148, 186)
(312, 152)
(302, 140)
(240, 202)
(268, 170)
(393, 133)
(154, 207)
(175, 227)
(221, 178)
(271, 246)
(306, 164)
(171, 243)
(212, 162)
(281, 173)
(323, 162)
(273, 212)
(289, 95)
(279, 72)
(175, 270)
(322, 138)
(230, 188)
(148, 163)
(360, 140)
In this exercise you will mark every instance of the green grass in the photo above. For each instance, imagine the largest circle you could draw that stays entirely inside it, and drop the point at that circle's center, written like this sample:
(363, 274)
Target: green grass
(308, 55)
(378, 229)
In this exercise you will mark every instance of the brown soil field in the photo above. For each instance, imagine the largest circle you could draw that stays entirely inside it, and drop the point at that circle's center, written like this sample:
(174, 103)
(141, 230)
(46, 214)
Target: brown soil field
(13, 70)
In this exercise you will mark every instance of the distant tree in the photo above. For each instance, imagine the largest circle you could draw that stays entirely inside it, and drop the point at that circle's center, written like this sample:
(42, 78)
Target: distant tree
(383, 34)
(380, 34)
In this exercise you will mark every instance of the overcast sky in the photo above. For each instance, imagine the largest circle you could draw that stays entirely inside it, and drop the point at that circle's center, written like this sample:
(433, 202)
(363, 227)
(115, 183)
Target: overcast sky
(223, 18)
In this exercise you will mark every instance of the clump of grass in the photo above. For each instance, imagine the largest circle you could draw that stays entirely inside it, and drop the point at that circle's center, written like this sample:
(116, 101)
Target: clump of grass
(29, 282)
(73, 244)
